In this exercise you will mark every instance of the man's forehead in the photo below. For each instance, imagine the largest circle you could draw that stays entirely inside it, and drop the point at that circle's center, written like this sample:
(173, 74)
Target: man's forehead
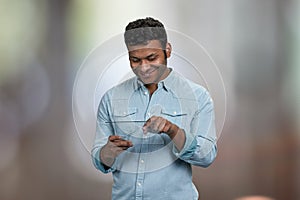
(151, 45)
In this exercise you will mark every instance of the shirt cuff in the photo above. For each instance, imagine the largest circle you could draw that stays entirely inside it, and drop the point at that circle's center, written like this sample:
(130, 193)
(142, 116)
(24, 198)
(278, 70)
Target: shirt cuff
(188, 149)
(98, 164)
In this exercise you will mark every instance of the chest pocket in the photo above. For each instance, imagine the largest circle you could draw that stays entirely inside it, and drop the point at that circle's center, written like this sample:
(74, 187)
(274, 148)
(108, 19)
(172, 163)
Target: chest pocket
(123, 120)
(176, 116)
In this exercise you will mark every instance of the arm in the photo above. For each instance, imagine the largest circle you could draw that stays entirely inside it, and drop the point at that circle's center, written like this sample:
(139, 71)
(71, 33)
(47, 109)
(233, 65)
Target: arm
(195, 144)
(201, 144)
(107, 146)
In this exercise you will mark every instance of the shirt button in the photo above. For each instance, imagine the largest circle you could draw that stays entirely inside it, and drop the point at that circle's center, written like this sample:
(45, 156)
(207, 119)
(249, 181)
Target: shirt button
(145, 93)
(174, 112)
(139, 184)
(142, 161)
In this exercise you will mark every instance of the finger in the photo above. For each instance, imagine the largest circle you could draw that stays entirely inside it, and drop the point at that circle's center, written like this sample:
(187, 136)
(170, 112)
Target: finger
(124, 148)
(121, 149)
(114, 137)
(118, 149)
(161, 126)
(123, 143)
(117, 138)
(166, 127)
(147, 124)
(149, 121)
(154, 126)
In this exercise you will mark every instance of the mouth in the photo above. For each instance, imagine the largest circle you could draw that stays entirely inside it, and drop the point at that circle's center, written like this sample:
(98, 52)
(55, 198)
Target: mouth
(147, 74)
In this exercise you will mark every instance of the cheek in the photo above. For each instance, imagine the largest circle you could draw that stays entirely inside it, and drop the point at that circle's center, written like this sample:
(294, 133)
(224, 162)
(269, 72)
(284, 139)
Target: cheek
(133, 65)
(158, 62)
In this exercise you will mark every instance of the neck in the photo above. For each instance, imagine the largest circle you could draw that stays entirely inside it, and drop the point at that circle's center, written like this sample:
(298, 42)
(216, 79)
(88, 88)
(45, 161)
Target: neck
(153, 86)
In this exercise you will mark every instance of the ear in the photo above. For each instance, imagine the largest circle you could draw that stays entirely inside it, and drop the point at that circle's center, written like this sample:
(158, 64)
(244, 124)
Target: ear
(168, 49)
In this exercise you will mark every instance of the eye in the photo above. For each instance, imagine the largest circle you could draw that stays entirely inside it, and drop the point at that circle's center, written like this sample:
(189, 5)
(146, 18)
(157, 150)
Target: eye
(151, 58)
(135, 60)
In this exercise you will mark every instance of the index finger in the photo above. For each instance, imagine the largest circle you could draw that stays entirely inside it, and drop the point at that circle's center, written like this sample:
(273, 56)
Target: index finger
(147, 122)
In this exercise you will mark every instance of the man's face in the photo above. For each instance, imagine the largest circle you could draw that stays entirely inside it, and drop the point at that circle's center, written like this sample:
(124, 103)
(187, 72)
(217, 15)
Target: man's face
(148, 61)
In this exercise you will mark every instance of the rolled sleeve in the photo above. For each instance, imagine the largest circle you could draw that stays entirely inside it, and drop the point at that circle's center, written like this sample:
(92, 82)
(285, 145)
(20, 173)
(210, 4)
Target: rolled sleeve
(103, 131)
(188, 148)
(97, 162)
(200, 146)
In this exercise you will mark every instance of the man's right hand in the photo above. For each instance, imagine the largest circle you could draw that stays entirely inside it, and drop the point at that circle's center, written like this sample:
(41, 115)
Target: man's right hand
(114, 146)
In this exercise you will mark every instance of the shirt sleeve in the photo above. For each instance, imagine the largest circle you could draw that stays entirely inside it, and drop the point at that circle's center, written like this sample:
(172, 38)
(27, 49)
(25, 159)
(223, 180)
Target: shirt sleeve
(103, 131)
(200, 147)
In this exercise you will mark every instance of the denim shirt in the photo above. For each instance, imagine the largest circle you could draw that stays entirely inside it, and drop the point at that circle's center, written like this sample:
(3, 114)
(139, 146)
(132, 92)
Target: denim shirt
(154, 168)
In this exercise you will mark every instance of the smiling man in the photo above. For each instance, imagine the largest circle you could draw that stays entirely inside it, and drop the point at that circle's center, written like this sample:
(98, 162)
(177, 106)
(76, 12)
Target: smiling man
(152, 128)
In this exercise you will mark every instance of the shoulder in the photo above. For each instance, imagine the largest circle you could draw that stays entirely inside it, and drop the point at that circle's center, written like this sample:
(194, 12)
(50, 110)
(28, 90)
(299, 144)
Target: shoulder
(187, 88)
(122, 89)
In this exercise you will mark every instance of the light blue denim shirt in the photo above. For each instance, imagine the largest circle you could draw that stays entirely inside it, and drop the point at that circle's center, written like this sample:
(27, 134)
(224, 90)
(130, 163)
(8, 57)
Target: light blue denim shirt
(153, 168)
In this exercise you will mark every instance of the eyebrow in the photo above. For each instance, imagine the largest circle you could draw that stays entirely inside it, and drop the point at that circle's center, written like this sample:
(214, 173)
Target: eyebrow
(152, 54)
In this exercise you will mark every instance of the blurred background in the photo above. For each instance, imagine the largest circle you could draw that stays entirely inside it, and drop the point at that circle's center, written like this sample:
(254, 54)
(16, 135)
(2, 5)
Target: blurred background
(254, 43)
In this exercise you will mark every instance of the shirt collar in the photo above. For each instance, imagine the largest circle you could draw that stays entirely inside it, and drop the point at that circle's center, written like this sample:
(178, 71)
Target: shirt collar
(137, 83)
(168, 81)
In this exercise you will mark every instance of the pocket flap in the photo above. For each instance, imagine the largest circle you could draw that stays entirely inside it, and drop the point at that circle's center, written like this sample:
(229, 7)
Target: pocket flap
(124, 112)
(173, 112)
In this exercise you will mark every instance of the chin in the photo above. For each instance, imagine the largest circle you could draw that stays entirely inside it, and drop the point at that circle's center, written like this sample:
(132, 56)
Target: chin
(147, 81)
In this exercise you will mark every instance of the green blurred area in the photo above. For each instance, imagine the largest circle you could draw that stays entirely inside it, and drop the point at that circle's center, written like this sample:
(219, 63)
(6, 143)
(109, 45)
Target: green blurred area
(21, 35)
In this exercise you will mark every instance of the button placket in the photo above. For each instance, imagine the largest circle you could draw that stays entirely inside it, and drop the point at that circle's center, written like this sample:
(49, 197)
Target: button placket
(140, 176)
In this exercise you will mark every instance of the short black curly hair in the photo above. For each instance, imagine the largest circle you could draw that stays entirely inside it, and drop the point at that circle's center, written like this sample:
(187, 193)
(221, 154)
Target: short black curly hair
(141, 31)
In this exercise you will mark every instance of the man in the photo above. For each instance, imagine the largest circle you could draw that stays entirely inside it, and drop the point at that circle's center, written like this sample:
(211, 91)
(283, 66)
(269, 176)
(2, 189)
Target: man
(153, 127)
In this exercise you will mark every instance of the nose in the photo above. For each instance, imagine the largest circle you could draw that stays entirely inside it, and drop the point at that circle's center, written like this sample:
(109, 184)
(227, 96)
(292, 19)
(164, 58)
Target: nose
(144, 65)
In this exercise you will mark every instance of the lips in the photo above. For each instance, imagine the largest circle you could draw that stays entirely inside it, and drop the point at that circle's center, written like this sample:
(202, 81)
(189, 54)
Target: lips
(147, 74)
